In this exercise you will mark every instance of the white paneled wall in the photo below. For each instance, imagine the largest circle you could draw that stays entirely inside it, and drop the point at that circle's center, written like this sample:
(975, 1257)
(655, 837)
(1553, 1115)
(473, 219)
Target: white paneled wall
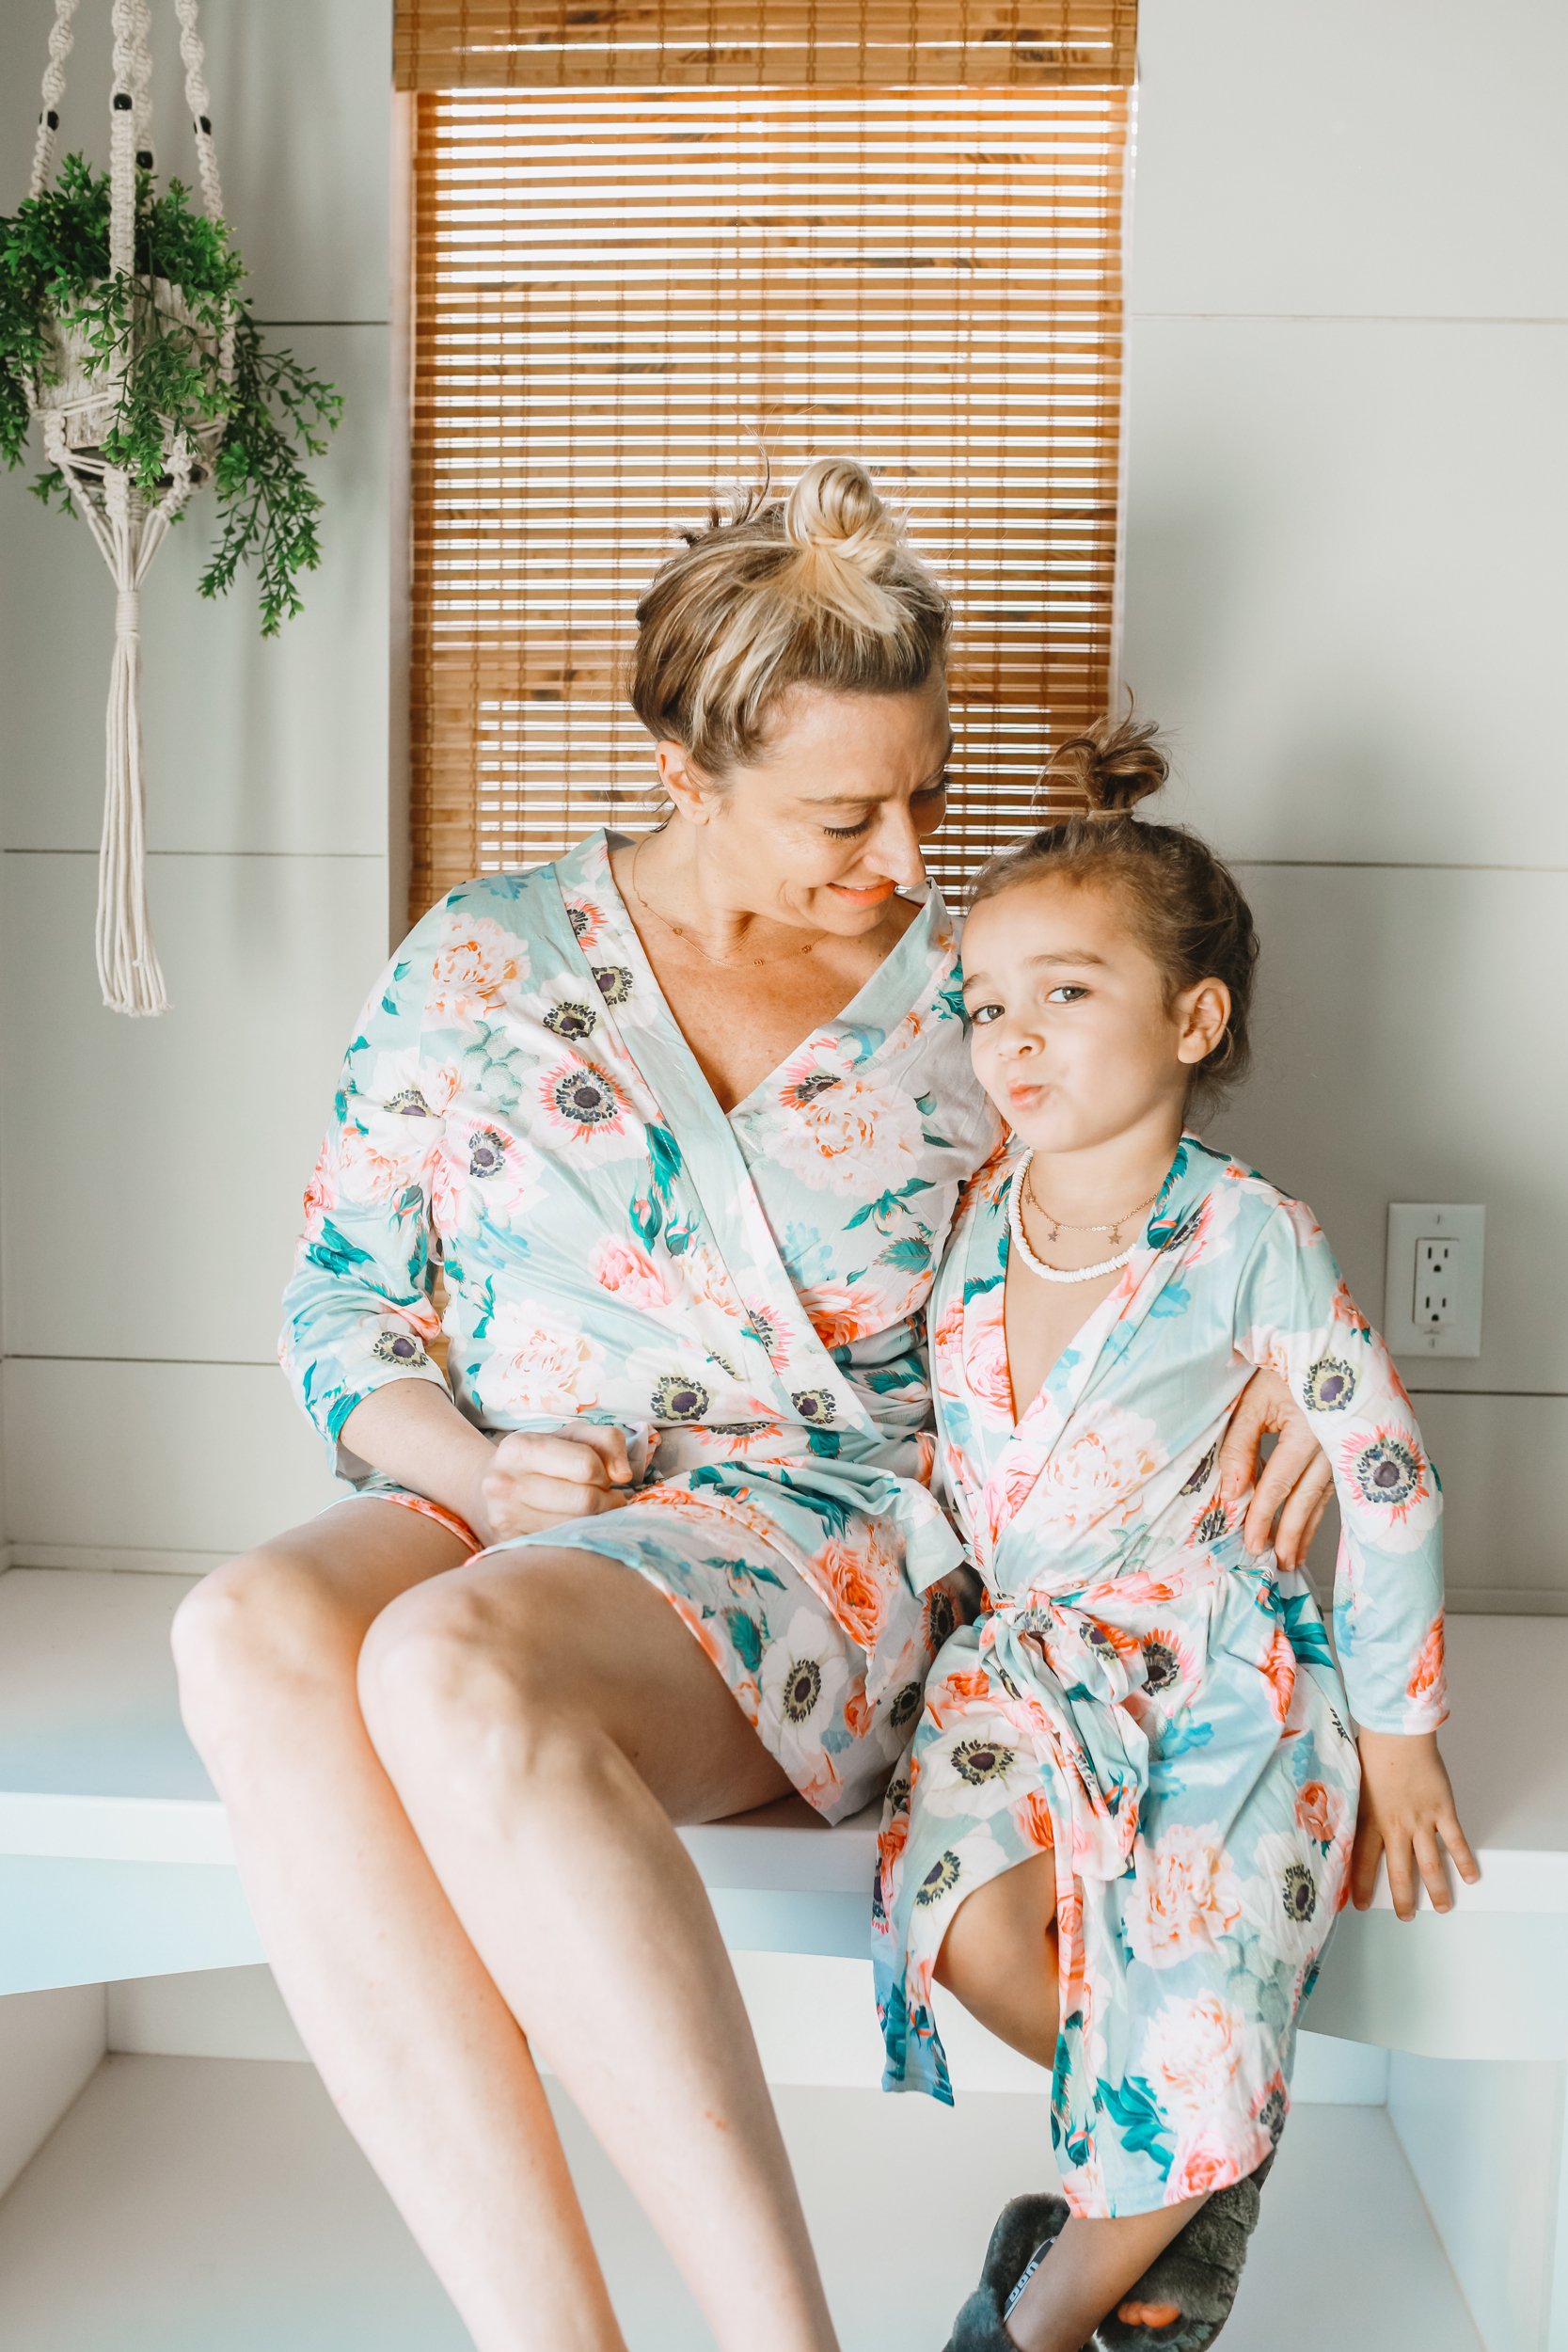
(1344, 594)
(151, 1171)
(1347, 500)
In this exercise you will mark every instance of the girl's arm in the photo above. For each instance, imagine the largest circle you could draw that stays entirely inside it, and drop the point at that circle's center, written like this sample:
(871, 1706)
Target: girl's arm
(1297, 1317)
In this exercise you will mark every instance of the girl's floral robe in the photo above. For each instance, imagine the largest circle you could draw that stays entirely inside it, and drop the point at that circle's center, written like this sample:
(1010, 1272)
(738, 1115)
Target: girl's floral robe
(1142, 1699)
(744, 1296)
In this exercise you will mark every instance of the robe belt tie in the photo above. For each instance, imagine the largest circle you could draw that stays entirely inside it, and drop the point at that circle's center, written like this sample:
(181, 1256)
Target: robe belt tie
(1101, 1751)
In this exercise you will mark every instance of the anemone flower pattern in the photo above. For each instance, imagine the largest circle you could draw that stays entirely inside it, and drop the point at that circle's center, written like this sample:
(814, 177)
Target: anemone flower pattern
(1159, 1710)
(742, 1296)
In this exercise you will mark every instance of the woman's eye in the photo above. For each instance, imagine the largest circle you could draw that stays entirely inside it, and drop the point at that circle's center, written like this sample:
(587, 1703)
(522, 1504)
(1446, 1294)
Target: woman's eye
(984, 1014)
(848, 832)
(1065, 994)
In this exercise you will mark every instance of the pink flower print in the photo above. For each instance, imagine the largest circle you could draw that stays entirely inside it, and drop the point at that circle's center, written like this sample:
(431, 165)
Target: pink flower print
(320, 1193)
(540, 1365)
(986, 1355)
(1184, 1898)
(836, 1129)
(1192, 2052)
(1099, 1479)
(1219, 2151)
(1033, 1815)
(628, 1273)
(477, 966)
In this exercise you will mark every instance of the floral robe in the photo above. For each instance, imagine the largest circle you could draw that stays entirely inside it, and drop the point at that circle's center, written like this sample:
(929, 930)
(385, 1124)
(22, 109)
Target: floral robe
(744, 1296)
(1143, 1700)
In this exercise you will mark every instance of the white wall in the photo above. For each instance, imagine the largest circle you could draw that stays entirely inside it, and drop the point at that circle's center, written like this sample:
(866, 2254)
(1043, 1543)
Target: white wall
(1345, 595)
(151, 1171)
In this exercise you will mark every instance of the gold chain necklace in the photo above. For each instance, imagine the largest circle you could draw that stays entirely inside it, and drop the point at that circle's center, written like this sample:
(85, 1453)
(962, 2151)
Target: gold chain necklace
(1059, 1225)
(725, 963)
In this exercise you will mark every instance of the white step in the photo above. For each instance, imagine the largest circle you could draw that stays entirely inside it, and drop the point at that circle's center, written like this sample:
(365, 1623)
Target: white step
(115, 1861)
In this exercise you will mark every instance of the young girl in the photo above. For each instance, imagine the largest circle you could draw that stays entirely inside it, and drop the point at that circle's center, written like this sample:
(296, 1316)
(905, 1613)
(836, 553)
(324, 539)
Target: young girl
(1130, 1803)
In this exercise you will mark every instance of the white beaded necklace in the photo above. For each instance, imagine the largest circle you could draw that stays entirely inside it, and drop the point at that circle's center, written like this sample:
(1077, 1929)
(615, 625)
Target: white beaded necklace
(1038, 1265)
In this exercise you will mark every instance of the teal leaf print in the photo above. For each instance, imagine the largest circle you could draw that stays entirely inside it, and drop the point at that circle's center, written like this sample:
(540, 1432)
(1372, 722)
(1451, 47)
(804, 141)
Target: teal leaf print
(1305, 1632)
(825, 1442)
(334, 1253)
(664, 1154)
(1134, 2110)
(745, 1637)
(911, 1255)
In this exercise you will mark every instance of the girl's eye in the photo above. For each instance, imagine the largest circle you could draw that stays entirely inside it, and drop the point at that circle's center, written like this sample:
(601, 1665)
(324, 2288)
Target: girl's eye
(1065, 994)
(848, 832)
(984, 1014)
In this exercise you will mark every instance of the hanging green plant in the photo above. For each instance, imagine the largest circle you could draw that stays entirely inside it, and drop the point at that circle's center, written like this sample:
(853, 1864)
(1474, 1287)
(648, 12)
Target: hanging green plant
(168, 348)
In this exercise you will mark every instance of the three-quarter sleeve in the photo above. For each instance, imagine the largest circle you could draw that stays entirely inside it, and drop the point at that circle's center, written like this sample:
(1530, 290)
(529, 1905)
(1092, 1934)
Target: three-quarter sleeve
(357, 1309)
(1297, 1317)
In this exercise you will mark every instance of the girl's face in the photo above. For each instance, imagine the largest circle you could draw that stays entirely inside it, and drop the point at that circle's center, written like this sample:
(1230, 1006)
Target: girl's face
(1075, 1039)
(831, 820)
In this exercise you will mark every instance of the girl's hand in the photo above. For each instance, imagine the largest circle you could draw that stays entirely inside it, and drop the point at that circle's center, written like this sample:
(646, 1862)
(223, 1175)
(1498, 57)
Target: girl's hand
(534, 1481)
(1294, 1485)
(1407, 1806)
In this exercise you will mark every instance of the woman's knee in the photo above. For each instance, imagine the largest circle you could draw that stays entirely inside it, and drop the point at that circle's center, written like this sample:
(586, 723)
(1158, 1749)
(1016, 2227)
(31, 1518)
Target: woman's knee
(998, 1955)
(256, 1637)
(477, 1672)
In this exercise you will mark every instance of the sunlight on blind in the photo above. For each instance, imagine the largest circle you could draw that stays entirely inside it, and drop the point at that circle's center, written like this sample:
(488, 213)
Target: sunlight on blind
(612, 286)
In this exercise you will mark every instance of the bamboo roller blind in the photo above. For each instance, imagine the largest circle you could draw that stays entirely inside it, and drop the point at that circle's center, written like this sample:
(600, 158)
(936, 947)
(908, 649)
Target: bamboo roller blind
(614, 284)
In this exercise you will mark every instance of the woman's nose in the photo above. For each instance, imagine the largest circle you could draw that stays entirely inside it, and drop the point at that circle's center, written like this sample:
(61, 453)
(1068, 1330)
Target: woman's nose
(897, 852)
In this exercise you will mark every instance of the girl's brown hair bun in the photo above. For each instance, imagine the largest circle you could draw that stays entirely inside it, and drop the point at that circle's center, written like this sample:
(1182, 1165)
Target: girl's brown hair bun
(1112, 766)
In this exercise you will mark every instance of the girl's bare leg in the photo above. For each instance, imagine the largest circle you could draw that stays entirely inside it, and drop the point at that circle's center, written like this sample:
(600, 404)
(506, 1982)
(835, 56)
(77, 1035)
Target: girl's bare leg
(999, 1957)
(544, 1718)
(417, 2049)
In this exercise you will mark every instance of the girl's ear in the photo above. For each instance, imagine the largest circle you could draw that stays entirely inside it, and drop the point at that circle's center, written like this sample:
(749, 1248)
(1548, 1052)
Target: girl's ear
(684, 782)
(1203, 1013)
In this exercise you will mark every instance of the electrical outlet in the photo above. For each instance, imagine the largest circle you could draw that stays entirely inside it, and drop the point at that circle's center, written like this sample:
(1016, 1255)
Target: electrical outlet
(1437, 1252)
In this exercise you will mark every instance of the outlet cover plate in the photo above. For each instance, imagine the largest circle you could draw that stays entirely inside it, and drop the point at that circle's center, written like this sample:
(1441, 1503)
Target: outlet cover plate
(1410, 1222)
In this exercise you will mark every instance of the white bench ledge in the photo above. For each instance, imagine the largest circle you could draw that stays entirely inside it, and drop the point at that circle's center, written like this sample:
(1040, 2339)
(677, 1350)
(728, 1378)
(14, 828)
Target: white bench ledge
(95, 1770)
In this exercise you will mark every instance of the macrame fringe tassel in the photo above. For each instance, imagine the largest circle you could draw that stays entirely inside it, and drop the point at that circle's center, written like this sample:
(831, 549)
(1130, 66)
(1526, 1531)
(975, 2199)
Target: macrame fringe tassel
(127, 969)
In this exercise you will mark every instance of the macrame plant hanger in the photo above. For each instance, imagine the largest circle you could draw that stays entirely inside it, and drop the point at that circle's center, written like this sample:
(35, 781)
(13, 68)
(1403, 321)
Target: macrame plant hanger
(75, 413)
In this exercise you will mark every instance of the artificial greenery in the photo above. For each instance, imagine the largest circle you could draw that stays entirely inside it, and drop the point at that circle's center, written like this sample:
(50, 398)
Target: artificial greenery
(55, 273)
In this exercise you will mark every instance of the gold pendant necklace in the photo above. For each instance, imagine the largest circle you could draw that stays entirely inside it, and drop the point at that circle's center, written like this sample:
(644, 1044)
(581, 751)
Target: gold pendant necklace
(1059, 1225)
(725, 963)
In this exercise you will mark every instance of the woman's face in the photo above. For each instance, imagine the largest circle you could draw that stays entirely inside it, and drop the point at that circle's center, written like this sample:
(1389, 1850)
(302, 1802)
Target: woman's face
(831, 820)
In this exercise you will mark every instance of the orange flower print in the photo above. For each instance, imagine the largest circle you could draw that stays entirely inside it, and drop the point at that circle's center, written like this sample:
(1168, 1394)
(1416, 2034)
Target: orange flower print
(858, 1601)
(320, 1193)
(1033, 1816)
(1322, 1811)
(986, 1363)
(840, 1314)
(1427, 1687)
(1279, 1672)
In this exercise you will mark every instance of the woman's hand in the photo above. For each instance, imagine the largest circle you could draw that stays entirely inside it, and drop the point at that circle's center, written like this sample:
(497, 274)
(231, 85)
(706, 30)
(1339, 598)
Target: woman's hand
(1407, 1806)
(532, 1482)
(1295, 1484)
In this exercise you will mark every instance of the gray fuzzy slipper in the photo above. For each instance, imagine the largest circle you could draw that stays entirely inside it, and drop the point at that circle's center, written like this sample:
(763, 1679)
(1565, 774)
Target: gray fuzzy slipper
(1199, 2271)
(1024, 2233)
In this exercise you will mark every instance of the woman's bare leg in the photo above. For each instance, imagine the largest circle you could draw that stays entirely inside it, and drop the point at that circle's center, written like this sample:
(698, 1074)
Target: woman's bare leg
(544, 1718)
(999, 1957)
(417, 2049)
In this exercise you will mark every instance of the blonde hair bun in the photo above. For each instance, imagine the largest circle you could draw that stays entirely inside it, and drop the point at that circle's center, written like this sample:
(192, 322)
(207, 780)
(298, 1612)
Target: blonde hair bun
(816, 588)
(1112, 766)
(834, 511)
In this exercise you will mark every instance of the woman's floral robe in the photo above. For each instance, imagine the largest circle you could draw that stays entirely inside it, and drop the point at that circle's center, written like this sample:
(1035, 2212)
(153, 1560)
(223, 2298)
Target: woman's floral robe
(1140, 1698)
(744, 1296)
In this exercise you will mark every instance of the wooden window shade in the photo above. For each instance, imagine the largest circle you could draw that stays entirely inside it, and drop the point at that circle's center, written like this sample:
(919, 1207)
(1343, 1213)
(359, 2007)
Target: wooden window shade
(614, 287)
